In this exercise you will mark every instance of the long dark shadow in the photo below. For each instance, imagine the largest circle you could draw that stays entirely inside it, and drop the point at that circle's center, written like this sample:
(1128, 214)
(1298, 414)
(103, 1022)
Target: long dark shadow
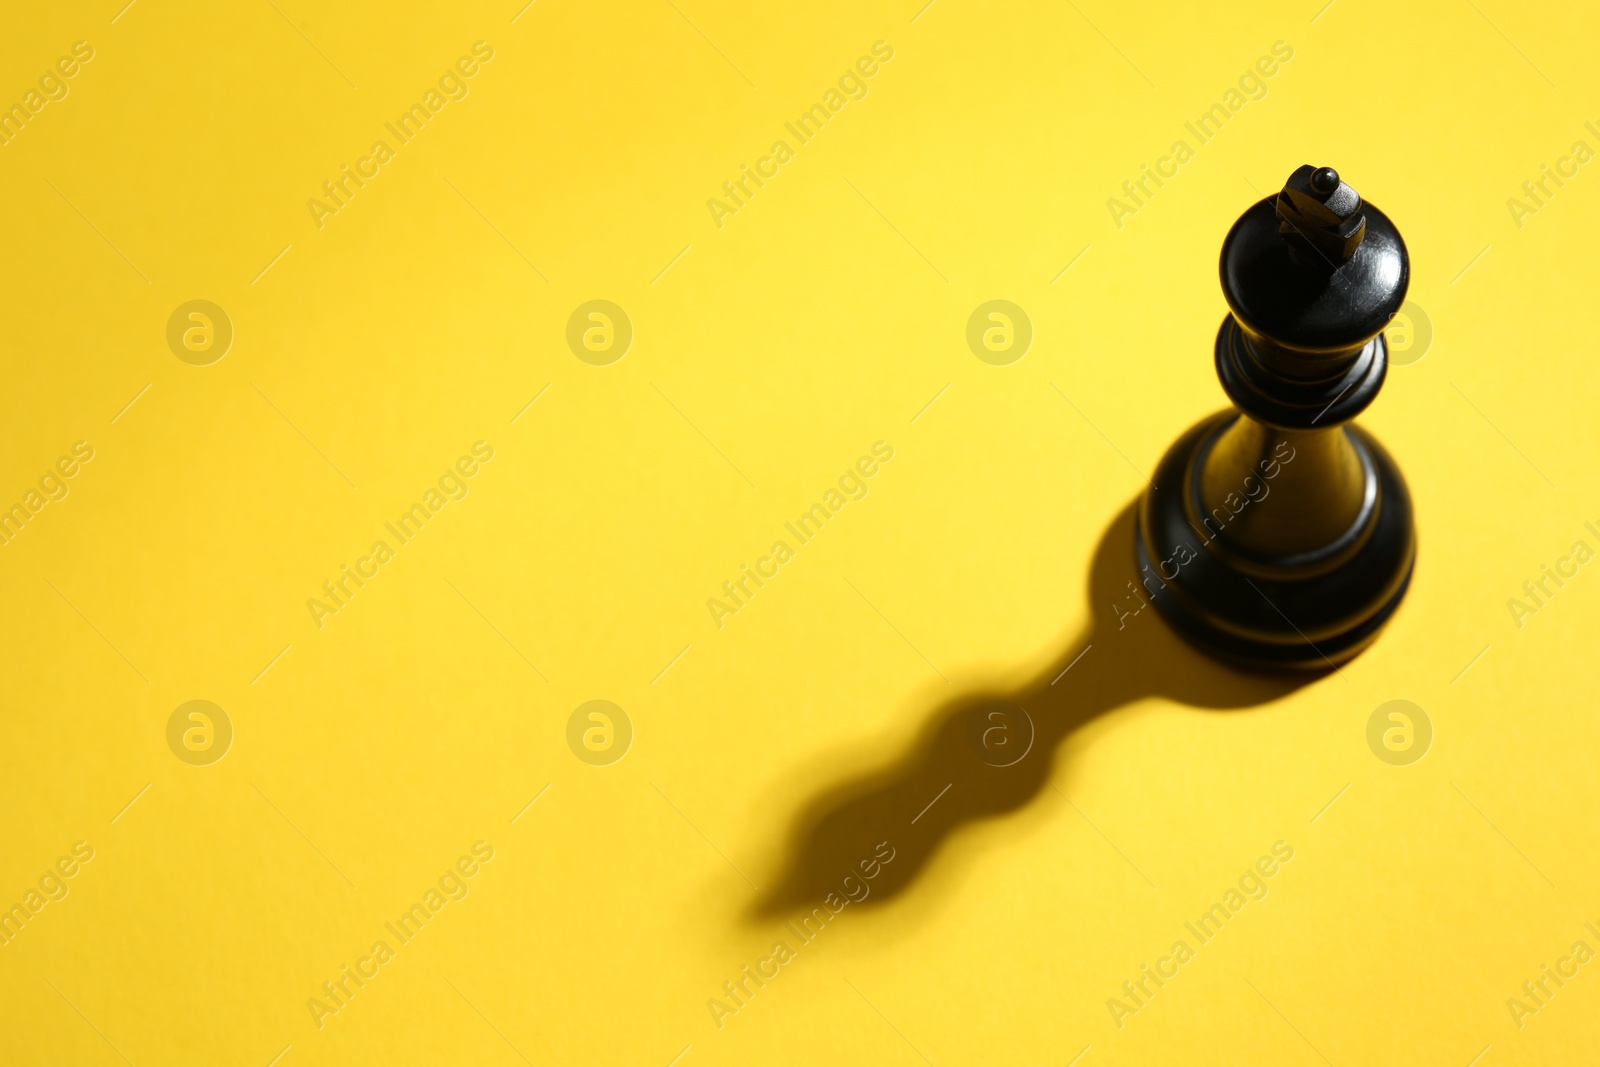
(974, 760)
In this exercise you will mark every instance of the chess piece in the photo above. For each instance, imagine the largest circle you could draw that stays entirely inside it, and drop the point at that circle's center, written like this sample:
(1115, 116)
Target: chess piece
(1276, 536)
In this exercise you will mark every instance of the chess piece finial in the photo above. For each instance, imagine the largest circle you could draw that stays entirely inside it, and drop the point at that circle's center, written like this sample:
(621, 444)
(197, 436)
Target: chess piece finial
(1275, 535)
(1320, 216)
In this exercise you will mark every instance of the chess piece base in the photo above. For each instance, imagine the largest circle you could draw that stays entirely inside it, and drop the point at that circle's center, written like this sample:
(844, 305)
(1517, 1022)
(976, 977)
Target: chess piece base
(1273, 614)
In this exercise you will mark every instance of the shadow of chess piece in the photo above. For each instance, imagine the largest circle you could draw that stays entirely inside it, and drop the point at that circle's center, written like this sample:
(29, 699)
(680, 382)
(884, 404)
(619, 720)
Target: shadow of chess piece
(989, 752)
(1276, 536)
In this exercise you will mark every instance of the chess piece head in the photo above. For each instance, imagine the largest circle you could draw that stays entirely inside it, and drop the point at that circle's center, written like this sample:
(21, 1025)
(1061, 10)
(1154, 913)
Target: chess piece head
(1311, 285)
(1276, 535)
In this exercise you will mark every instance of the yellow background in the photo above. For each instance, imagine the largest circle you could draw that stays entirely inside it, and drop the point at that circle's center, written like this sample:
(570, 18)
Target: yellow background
(768, 355)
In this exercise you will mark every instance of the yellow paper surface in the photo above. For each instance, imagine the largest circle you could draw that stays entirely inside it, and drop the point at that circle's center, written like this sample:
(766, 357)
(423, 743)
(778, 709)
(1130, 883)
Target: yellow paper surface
(410, 329)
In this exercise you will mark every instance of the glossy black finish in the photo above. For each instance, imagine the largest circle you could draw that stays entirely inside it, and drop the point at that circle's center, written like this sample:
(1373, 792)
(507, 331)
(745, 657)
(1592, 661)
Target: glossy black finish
(1302, 307)
(1274, 536)
(1256, 379)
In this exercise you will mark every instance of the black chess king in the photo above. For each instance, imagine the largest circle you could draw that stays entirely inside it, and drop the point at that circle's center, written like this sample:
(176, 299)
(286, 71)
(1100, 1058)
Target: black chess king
(1278, 536)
